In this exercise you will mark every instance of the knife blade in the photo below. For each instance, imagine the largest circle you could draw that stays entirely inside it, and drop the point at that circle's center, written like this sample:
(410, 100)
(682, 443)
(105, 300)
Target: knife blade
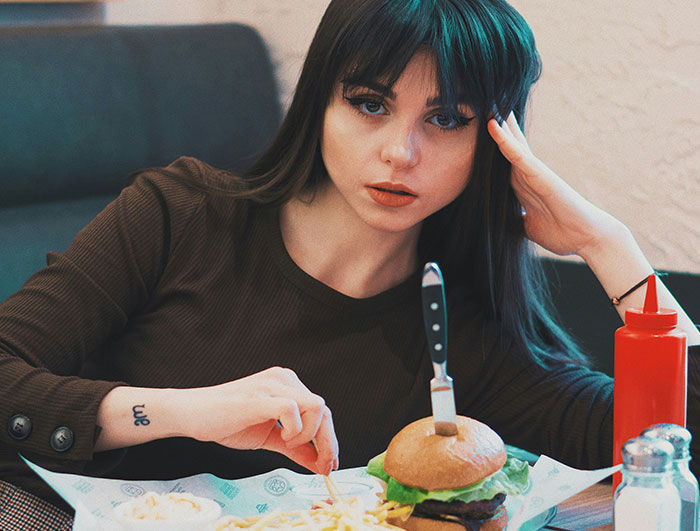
(435, 319)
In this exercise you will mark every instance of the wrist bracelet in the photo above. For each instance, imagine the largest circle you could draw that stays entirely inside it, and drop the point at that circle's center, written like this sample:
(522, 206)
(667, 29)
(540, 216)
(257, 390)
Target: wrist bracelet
(616, 300)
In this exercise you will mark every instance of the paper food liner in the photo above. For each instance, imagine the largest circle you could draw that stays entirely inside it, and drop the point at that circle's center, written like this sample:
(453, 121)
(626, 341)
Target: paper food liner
(94, 499)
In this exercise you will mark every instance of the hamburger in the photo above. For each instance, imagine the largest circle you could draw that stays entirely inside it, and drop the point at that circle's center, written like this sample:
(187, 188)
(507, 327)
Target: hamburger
(453, 483)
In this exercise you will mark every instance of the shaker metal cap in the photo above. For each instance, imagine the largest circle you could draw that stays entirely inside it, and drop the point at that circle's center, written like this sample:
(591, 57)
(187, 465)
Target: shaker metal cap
(677, 435)
(647, 454)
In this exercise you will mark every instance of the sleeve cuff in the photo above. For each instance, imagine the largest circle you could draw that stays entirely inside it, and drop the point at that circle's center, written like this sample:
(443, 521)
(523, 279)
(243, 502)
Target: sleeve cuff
(59, 421)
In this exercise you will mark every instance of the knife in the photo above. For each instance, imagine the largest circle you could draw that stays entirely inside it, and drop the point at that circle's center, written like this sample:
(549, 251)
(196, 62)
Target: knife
(442, 394)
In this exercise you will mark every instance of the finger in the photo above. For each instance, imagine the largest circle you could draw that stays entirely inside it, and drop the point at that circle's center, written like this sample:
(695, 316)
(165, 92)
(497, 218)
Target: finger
(306, 412)
(506, 141)
(313, 408)
(309, 405)
(515, 129)
(320, 457)
(326, 443)
(286, 411)
(305, 454)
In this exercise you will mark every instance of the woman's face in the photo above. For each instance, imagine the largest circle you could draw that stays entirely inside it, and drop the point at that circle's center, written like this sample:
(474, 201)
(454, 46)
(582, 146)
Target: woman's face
(394, 155)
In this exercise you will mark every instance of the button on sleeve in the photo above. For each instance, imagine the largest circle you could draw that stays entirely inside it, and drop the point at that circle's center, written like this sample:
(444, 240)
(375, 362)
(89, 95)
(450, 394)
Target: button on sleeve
(62, 439)
(19, 427)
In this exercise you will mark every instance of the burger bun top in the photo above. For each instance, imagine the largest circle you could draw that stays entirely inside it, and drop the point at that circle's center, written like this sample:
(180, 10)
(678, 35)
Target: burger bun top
(418, 457)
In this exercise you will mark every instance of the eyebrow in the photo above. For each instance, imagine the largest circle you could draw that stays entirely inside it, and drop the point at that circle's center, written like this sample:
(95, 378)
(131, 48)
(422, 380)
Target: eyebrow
(387, 92)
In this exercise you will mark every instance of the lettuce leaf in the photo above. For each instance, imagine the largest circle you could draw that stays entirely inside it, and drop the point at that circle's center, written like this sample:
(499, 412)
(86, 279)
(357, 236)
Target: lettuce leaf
(511, 479)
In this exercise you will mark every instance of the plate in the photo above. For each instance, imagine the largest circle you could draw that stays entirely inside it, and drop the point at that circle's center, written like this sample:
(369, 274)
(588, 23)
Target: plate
(539, 521)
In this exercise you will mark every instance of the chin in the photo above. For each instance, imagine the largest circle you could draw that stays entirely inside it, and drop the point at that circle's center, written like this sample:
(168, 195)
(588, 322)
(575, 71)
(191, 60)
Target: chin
(394, 222)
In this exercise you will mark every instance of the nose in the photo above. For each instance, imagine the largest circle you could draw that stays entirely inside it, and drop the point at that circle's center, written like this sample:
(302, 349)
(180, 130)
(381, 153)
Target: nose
(401, 148)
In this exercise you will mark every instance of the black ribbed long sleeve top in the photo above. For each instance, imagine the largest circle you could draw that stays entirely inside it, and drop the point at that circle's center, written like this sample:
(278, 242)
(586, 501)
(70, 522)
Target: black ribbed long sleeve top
(169, 287)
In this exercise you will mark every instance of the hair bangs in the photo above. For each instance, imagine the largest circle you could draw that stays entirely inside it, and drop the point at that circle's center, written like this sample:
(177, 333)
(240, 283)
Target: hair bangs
(381, 42)
(485, 57)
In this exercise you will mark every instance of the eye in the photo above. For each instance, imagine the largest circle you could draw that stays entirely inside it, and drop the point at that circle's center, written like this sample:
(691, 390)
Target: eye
(371, 107)
(367, 106)
(448, 122)
(444, 121)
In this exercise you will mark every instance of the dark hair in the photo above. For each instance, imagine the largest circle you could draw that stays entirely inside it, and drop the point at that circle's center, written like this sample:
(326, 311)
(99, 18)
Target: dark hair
(485, 56)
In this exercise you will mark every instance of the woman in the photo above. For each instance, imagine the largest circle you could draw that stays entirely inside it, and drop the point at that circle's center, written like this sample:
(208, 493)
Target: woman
(152, 347)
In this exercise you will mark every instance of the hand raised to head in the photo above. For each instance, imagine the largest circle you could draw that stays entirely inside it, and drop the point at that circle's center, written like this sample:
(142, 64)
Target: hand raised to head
(556, 216)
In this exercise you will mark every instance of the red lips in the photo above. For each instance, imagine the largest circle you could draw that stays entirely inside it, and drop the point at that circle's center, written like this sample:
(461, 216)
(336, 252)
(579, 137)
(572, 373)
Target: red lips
(391, 194)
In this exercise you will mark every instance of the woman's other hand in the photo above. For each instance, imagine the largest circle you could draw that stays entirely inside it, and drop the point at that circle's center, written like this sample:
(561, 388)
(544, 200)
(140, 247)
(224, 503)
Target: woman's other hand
(564, 222)
(556, 216)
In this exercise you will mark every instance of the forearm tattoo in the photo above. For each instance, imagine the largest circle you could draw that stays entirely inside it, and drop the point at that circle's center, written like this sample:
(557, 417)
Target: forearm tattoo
(140, 418)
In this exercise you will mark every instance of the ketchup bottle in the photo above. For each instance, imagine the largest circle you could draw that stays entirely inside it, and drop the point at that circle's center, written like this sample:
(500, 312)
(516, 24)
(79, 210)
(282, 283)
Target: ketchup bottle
(651, 367)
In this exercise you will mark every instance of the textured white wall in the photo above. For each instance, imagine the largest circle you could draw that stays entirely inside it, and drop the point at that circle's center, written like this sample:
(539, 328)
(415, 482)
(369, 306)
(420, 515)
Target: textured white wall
(616, 111)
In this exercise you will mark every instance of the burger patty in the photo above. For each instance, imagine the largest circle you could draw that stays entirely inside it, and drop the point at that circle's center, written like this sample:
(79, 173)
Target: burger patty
(474, 510)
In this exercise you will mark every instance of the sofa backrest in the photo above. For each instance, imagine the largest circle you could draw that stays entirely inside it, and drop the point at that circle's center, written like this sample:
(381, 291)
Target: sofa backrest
(83, 106)
(586, 312)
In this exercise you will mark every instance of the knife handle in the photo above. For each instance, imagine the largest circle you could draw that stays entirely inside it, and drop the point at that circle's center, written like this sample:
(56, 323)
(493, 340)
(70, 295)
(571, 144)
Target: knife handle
(435, 320)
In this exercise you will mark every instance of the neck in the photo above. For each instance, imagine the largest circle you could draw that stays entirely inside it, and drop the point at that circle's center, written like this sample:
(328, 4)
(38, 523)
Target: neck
(337, 248)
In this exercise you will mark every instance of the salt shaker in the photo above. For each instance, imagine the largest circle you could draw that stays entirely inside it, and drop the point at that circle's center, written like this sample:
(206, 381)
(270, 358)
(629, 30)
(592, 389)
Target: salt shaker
(647, 499)
(683, 478)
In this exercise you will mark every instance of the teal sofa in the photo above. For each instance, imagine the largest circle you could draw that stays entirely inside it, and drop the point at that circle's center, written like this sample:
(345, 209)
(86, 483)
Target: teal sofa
(81, 107)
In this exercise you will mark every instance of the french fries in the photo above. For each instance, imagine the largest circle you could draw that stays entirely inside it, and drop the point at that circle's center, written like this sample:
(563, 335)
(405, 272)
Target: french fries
(342, 514)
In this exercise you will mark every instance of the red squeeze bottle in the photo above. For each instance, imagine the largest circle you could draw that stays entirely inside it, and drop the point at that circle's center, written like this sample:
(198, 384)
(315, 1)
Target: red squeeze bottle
(651, 368)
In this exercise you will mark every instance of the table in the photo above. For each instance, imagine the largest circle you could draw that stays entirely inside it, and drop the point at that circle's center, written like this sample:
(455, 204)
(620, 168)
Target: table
(590, 509)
